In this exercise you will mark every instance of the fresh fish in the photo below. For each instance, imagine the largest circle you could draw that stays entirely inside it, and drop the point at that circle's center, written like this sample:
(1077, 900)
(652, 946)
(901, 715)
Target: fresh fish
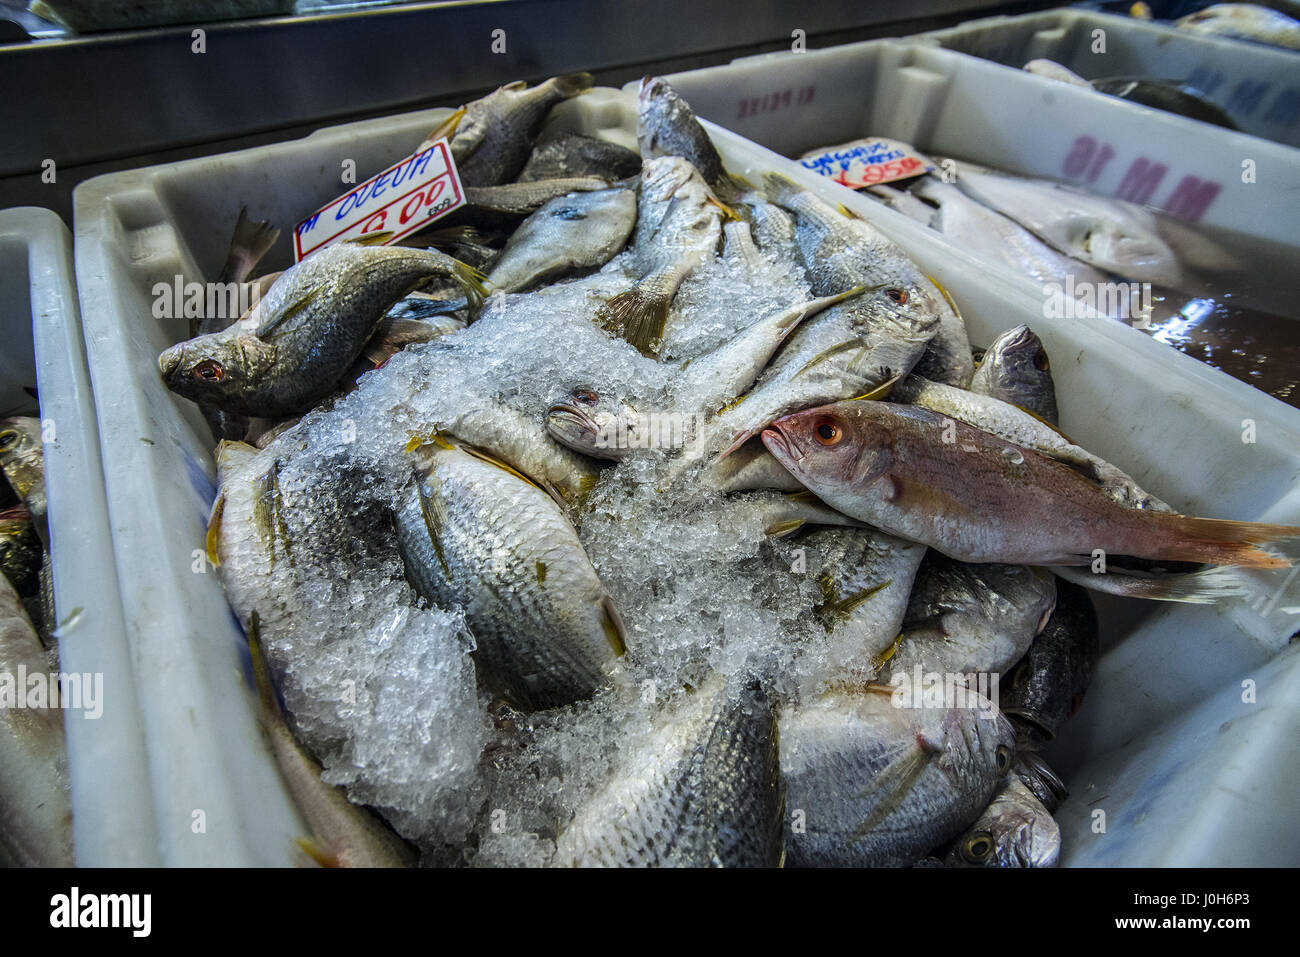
(1014, 831)
(1015, 369)
(477, 535)
(252, 240)
(770, 225)
(568, 234)
(1111, 234)
(492, 142)
(35, 808)
(1244, 21)
(872, 784)
(1172, 96)
(702, 790)
(521, 199)
(344, 834)
(865, 577)
(666, 126)
(903, 201)
(22, 459)
(297, 342)
(1047, 685)
(980, 498)
(1023, 428)
(785, 514)
(975, 227)
(401, 328)
(947, 357)
(588, 422)
(505, 433)
(20, 550)
(972, 619)
(568, 154)
(1055, 71)
(688, 235)
(472, 245)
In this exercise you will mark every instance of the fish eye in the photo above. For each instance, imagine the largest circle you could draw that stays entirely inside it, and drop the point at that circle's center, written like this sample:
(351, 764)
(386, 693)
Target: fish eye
(1004, 759)
(586, 397)
(827, 432)
(897, 296)
(209, 370)
(978, 849)
(569, 213)
(8, 439)
(1040, 361)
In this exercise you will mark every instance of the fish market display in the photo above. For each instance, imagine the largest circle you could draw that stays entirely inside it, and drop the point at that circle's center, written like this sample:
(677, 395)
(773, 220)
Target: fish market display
(1169, 95)
(1245, 21)
(630, 543)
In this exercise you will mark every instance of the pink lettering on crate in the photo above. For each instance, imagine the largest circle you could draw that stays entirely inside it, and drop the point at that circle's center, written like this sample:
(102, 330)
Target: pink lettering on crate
(773, 102)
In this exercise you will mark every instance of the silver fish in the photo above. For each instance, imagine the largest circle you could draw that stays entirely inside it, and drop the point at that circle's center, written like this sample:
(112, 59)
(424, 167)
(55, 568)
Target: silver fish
(1015, 830)
(22, 459)
(1016, 370)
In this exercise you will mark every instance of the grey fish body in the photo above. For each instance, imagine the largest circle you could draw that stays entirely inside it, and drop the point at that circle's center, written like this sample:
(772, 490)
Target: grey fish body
(1245, 21)
(1171, 96)
(666, 126)
(880, 785)
(1016, 370)
(1041, 781)
(1048, 683)
(569, 154)
(478, 537)
(567, 234)
(865, 577)
(493, 141)
(972, 619)
(35, 808)
(520, 199)
(704, 790)
(1015, 830)
(947, 357)
(298, 341)
(20, 550)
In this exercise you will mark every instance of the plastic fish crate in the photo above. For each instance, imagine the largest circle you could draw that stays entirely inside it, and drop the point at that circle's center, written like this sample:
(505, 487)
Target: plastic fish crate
(1124, 396)
(44, 350)
(1258, 85)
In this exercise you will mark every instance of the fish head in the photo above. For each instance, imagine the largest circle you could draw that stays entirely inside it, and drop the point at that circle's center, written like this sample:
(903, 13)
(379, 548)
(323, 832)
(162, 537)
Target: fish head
(589, 422)
(20, 440)
(906, 312)
(662, 177)
(1015, 831)
(1124, 247)
(661, 114)
(1018, 356)
(213, 368)
(830, 445)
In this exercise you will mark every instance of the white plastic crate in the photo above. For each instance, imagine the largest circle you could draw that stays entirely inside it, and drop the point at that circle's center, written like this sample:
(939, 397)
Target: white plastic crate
(1258, 85)
(1122, 395)
(44, 349)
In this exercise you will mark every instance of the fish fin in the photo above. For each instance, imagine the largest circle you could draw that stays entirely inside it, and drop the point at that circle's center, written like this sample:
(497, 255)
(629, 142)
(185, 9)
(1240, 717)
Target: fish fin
(212, 539)
(253, 239)
(786, 528)
(780, 187)
(1219, 541)
(472, 282)
(447, 128)
(890, 786)
(727, 211)
(287, 313)
(435, 519)
(612, 624)
(371, 239)
(947, 296)
(393, 335)
(637, 316)
(843, 607)
(879, 392)
(1197, 588)
(272, 713)
(317, 853)
(845, 346)
(505, 466)
(889, 652)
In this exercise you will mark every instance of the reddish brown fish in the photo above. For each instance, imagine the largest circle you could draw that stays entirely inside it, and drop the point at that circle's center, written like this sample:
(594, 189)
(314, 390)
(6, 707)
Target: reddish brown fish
(978, 498)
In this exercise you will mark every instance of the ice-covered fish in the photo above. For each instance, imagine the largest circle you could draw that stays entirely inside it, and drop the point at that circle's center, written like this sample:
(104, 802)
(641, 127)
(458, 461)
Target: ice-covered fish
(477, 535)
(704, 790)
(521, 199)
(666, 126)
(980, 498)
(1015, 369)
(872, 784)
(297, 342)
(1015, 830)
(567, 234)
(35, 808)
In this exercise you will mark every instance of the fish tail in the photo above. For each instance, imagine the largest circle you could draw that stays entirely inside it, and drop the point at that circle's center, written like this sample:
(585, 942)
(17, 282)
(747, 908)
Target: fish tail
(473, 282)
(638, 315)
(1213, 541)
(253, 239)
(1197, 588)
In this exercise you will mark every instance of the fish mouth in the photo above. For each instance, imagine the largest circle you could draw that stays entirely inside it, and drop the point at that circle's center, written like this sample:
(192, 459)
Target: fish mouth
(169, 361)
(779, 444)
(571, 413)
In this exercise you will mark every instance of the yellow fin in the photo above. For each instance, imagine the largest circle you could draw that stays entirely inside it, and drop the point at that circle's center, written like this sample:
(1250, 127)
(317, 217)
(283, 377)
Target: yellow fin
(784, 528)
(611, 623)
(371, 239)
(879, 392)
(317, 853)
(212, 539)
(890, 651)
(288, 312)
(447, 128)
(946, 295)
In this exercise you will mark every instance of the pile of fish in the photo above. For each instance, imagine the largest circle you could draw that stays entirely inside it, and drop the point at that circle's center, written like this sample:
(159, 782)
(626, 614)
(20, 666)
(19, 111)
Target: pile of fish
(628, 526)
(35, 808)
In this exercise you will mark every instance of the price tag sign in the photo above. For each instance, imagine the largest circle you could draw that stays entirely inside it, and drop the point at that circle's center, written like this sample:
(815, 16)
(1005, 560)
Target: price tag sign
(403, 198)
(868, 162)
